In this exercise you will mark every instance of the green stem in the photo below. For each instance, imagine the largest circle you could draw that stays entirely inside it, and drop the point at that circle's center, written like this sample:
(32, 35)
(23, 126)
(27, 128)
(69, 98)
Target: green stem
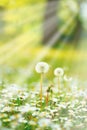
(41, 90)
(58, 83)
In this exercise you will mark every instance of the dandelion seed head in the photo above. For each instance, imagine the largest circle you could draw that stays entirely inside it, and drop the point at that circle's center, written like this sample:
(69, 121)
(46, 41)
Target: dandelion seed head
(58, 72)
(42, 67)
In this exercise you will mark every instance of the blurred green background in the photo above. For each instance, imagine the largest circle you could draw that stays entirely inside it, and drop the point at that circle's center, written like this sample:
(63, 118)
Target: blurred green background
(54, 31)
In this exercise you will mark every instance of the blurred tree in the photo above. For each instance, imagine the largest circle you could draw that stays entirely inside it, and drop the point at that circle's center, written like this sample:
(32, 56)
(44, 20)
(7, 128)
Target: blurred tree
(2, 22)
(51, 20)
(80, 19)
(78, 29)
(50, 24)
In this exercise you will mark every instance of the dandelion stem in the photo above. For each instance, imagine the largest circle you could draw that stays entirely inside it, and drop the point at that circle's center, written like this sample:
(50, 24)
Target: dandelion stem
(41, 86)
(58, 83)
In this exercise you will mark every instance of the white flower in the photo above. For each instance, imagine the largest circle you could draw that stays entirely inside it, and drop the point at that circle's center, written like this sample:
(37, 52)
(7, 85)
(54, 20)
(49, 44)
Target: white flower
(6, 109)
(42, 114)
(42, 67)
(58, 72)
(32, 122)
(27, 108)
(68, 124)
(68, 79)
(55, 127)
(44, 122)
(54, 99)
(22, 120)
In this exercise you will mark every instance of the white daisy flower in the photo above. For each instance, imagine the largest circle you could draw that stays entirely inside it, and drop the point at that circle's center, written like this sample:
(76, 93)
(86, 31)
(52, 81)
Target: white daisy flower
(22, 120)
(32, 122)
(44, 122)
(58, 72)
(42, 67)
(68, 124)
(55, 127)
(27, 108)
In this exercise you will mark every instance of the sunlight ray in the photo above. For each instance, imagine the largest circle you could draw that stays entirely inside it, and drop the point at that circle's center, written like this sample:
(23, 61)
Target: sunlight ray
(46, 49)
(28, 20)
(15, 41)
(10, 44)
(23, 8)
(18, 39)
(8, 55)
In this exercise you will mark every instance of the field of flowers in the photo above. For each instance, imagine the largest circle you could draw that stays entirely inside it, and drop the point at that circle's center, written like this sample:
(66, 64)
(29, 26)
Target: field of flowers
(60, 104)
(43, 86)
